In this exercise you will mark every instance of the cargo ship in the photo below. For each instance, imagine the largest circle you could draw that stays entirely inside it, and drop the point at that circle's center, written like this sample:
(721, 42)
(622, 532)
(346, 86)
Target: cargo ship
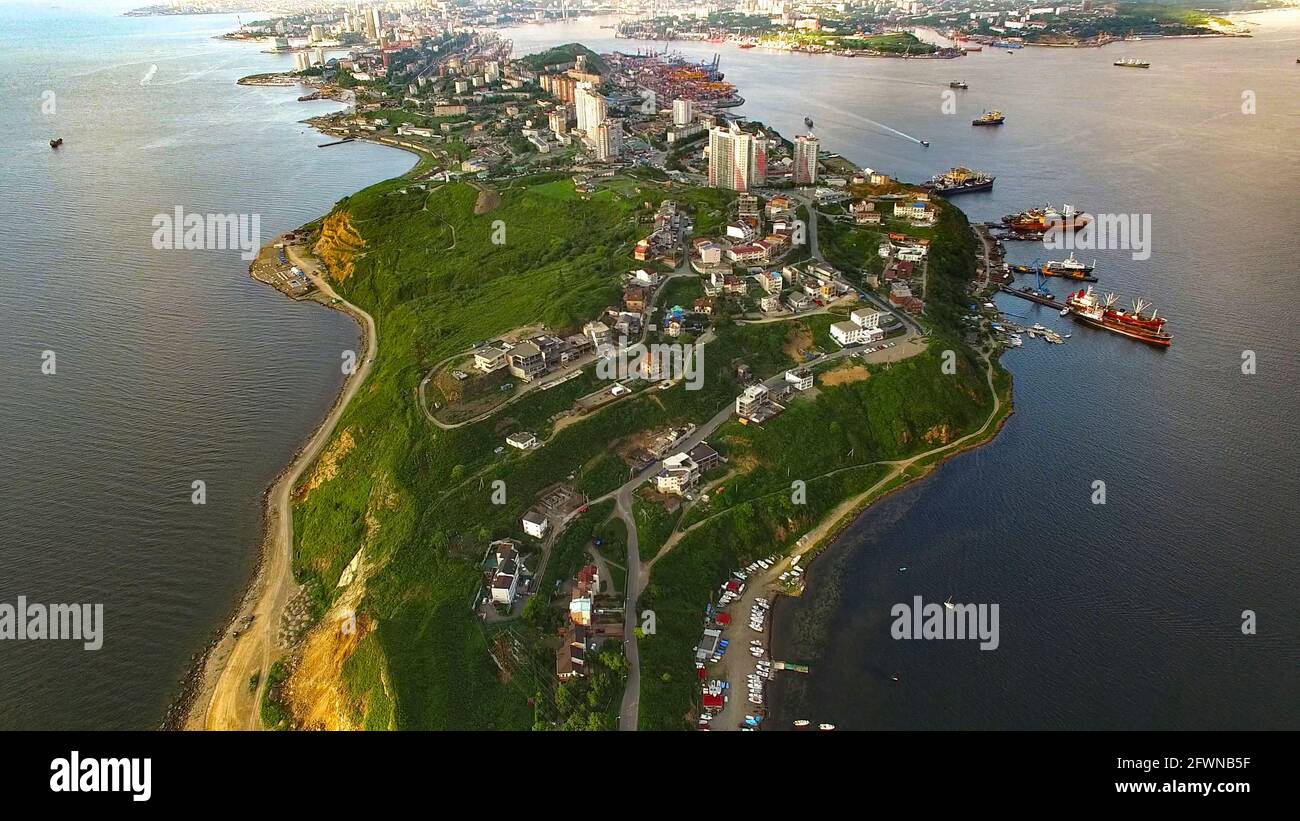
(1070, 268)
(989, 118)
(1042, 220)
(958, 180)
(1087, 308)
(1130, 62)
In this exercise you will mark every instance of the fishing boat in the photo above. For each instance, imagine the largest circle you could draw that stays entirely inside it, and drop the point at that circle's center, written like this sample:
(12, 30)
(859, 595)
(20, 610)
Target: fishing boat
(1070, 268)
(989, 118)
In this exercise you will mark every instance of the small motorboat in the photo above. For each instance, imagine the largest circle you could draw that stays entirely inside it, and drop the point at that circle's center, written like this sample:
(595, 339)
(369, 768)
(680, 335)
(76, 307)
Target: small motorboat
(802, 722)
(826, 726)
(948, 604)
(925, 143)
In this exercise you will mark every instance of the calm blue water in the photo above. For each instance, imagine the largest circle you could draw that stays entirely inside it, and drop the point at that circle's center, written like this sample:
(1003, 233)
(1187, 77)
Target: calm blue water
(1115, 616)
(172, 366)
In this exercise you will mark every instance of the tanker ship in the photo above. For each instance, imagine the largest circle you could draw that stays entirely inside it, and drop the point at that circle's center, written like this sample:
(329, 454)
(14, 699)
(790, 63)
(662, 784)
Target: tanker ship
(1087, 308)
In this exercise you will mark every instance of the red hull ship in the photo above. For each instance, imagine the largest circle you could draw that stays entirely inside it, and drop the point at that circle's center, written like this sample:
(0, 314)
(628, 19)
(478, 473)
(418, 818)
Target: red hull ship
(1101, 313)
(1042, 220)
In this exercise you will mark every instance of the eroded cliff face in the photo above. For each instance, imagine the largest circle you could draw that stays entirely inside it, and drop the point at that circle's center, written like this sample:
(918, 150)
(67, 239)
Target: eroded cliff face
(338, 245)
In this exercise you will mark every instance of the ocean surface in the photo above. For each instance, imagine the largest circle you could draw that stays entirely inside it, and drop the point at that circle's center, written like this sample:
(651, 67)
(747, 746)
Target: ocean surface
(170, 366)
(1122, 615)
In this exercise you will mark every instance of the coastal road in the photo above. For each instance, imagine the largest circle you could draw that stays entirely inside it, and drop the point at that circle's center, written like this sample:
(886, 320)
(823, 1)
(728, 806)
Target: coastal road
(233, 705)
(738, 663)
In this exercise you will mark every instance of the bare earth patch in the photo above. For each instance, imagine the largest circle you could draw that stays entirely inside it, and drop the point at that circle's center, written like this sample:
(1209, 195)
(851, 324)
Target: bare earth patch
(798, 340)
(327, 467)
(843, 376)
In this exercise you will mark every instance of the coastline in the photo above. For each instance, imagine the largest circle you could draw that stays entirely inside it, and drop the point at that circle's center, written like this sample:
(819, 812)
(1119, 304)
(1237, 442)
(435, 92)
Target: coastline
(209, 687)
(216, 695)
(256, 612)
(826, 534)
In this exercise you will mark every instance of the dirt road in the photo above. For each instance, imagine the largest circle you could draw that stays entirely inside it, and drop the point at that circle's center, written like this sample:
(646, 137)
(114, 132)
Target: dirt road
(225, 700)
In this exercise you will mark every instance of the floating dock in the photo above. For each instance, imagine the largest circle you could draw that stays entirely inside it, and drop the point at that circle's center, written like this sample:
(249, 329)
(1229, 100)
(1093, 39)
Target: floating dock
(1033, 296)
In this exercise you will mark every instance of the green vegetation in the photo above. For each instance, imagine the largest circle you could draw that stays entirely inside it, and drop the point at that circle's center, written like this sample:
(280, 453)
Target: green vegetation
(274, 715)
(832, 445)
(560, 55)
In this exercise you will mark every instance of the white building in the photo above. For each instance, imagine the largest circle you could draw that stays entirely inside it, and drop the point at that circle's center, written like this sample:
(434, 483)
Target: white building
(522, 440)
(683, 112)
(679, 474)
(505, 581)
(754, 399)
(737, 160)
(848, 333)
(535, 524)
(800, 380)
(805, 160)
(608, 140)
(868, 319)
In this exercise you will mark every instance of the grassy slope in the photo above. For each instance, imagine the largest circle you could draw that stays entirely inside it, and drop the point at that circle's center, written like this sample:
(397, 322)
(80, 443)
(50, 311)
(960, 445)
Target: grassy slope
(429, 521)
(884, 417)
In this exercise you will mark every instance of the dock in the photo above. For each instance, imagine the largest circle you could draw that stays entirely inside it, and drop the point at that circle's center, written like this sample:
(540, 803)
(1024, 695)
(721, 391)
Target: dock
(791, 666)
(1032, 296)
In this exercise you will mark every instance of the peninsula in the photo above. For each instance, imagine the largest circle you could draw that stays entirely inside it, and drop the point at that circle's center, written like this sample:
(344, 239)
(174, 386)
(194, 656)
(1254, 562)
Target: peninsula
(604, 372)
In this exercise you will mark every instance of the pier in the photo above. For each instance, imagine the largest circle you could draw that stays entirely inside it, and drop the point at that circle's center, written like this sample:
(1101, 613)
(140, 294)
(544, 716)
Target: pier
(1033, 296)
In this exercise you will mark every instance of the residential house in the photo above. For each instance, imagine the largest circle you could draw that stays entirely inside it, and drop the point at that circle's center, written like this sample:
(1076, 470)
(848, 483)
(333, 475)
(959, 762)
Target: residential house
(599, 334)
(771, 281)
(754, 252)
(799, 301)
(523, 440)
(751, 403)
(571, 658)
(505, 577)
(801, 379)
(536, 524)
(678, 476)
(635, 298)
(526, 361)
(705, 457)
(489, 358)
